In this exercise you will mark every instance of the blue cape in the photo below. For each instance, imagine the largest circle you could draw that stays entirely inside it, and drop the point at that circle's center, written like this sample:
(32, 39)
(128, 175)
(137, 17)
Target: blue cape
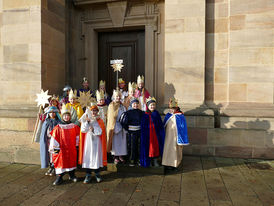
(181, 125)
(144, 141)
(44, 154)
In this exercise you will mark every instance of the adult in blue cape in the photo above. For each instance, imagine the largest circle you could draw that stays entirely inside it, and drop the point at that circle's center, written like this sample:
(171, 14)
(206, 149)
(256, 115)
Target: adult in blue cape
(152, 135)
(52, 119)
(176, 135)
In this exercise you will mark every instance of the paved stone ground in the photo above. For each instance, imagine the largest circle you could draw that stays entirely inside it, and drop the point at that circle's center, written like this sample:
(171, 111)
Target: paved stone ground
(203, 181)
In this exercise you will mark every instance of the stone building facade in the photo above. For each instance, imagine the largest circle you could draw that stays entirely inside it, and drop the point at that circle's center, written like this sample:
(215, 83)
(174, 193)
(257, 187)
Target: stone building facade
(216, 57)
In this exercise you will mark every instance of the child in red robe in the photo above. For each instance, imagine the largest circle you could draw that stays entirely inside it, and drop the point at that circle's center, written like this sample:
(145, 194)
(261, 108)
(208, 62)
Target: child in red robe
(63, 143)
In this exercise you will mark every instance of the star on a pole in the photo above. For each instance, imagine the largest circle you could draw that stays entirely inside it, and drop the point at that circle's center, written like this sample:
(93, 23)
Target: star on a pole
(117, 67)
(42, 98)
(84, 99)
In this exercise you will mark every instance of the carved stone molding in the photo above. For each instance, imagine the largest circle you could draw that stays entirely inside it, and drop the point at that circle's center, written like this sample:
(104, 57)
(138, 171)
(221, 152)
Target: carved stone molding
(92, 2)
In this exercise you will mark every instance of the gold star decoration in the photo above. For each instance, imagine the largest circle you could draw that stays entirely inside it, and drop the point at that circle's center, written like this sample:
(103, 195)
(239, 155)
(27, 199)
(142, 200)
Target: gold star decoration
(84, 99)
(42, 98)
(117, 67)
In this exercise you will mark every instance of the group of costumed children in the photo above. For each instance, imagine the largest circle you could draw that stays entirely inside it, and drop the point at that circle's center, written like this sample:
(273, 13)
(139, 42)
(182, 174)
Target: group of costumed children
(127, 126)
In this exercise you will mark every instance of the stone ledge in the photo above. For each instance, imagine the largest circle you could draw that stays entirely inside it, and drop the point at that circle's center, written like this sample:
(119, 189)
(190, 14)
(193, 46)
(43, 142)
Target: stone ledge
(24, 111)
(248, 110)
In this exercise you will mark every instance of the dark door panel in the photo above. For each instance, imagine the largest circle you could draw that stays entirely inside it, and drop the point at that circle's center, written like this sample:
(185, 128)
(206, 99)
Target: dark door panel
(129, 46)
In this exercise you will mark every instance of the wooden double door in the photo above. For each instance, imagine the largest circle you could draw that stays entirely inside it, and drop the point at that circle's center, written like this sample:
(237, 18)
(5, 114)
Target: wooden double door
(129, 46)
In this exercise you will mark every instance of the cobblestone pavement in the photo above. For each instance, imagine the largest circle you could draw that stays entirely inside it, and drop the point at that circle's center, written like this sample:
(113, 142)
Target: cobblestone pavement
(203, 181)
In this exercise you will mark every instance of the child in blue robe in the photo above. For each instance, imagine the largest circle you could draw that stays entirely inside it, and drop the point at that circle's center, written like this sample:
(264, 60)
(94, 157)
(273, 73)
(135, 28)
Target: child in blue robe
(152, 135)
(176, 136)
(52, 119)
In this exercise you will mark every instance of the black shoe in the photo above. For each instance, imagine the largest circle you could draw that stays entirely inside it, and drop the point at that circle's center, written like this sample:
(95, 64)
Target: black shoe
(58, 181)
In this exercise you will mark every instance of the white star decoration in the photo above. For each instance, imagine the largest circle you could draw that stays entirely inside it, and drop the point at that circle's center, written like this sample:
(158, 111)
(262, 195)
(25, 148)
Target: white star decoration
(42, 98)
(84, 99)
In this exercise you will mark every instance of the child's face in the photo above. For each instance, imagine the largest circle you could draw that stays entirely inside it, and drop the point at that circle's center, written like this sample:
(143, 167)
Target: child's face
(94, 112)
(66, 117)
(72, 101)
(52, 115)
(135, 105)
(101, 101)
(140, 85)
(122, 85)
(152, 106)
(85, 85)
(117, 98)
(102, 88)
(54, 103)
(131, 93)
(173, 110)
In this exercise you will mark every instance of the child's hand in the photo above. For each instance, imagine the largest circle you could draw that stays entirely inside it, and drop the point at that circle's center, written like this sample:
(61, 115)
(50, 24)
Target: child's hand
(87, 119)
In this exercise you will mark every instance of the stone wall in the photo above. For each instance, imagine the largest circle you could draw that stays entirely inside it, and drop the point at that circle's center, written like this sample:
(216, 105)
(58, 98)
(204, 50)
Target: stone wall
(32, 56)
(20, 75)
(20, 51)
(53, 14)
(185, 50)
(238, 80)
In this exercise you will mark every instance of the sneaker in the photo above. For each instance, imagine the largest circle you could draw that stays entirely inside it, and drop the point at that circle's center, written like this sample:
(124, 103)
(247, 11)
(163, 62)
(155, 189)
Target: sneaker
(131, 163)
(121, 159)
(52, 172)
(156, 164)
(58, 181)
(73, 179)
(49, 171)
(116, 161)
(98, 178)
(87, 179)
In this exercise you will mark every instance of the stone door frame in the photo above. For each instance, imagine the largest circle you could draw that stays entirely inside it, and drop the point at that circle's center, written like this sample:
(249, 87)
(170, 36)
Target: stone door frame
(150, 23)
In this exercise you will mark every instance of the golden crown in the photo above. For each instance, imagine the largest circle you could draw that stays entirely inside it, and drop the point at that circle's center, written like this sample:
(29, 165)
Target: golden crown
(99, 95)
(140, 79)
(173, 102)
(93, 104)
(116, 92)
(85, 80)
(66, 108)
(120, 81)
(131, 86)
(54, 97)
(150, 99)
(72, 94)
(102, 83)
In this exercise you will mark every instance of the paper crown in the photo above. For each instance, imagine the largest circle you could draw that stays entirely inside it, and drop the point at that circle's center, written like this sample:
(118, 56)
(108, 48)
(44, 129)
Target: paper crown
(121, 81)
(99, 95)
(116, 92)
(150, 100)
(72, 94)
(85, 80)
(66, 108)
(131, 86)
(93, 105)
(54, 97)
(173, 102)
(102, 83)
(140, 79)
